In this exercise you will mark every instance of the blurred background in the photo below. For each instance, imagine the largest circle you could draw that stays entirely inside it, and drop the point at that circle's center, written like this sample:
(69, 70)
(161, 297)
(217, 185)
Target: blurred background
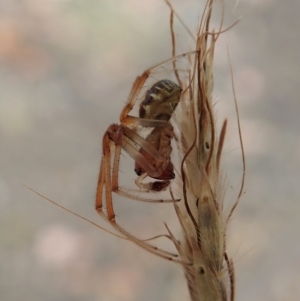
(66, 69)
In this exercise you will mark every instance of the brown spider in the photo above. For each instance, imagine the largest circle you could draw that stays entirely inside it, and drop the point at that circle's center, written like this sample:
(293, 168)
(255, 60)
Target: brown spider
(151, 154)
(159, 104)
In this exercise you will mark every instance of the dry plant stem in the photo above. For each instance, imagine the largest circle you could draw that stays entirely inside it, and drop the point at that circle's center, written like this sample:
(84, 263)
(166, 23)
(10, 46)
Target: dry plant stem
(201, 211)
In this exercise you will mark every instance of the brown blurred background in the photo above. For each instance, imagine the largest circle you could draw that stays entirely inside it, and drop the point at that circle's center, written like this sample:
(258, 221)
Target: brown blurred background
(66, 68)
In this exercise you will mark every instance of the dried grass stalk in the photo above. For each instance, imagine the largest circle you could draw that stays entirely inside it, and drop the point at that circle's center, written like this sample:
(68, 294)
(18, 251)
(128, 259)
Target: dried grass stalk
(210, 276)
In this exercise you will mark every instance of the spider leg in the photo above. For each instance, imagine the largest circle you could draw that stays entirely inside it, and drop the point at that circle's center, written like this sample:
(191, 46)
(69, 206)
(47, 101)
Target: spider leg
(137, 121)
(135, 90)
(107, 176)
(151, 186)
(148, 247)
(149, 153)
(101, 184)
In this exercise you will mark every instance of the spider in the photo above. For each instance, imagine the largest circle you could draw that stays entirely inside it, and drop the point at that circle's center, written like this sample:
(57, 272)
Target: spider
(159, 104)
(151, 154)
